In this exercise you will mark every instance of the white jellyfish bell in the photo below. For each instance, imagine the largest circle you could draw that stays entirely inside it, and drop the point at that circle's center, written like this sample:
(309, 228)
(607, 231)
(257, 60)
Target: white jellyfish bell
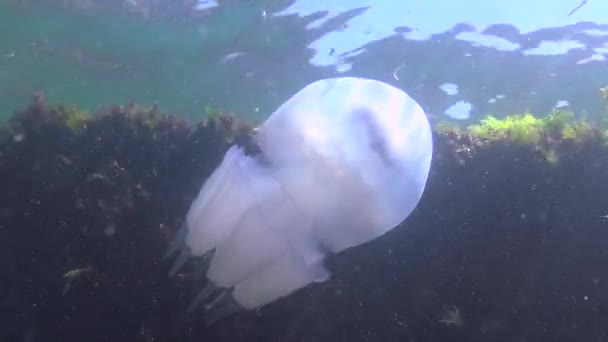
(342, 162)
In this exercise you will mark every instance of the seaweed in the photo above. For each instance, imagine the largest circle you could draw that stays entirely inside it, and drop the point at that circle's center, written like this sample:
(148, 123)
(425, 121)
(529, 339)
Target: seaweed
(542, 136)
(529, 129)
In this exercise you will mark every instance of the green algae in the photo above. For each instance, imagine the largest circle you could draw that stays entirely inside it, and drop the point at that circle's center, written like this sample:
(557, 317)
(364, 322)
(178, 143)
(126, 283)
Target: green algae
(212, 113)
(529, 129)
(545, 137)
(74, 118)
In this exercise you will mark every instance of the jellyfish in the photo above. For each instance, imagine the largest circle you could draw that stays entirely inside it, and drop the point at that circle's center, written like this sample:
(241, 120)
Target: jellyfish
(341, 163)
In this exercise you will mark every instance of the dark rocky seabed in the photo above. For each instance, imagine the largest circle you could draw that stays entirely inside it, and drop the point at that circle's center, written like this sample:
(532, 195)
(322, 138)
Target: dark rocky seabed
(512, 244)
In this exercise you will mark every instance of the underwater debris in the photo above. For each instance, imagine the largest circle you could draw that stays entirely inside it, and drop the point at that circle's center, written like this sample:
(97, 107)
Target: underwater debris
(579, 6)
(99, 176)
(86, 273)
(451, 316)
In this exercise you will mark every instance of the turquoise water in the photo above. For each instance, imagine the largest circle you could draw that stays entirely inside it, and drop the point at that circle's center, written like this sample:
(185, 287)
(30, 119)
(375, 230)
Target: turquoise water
(91, 60)
(248, 57)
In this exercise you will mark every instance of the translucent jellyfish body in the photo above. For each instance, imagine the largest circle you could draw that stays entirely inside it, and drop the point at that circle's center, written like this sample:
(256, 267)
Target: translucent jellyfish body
(342, 162)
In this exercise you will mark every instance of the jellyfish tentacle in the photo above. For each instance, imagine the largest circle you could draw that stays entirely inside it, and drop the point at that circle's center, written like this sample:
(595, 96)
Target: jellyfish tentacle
(224, 308)
(206, 295)
(180, 261)
(202, 266)
(178, 242)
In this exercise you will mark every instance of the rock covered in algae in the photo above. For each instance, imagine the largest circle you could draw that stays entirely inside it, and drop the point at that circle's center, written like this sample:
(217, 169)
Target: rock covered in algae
(516, 244)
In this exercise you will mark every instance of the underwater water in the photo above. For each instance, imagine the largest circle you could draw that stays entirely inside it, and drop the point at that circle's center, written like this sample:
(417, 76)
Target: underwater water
(469, 61)
(301, 170)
